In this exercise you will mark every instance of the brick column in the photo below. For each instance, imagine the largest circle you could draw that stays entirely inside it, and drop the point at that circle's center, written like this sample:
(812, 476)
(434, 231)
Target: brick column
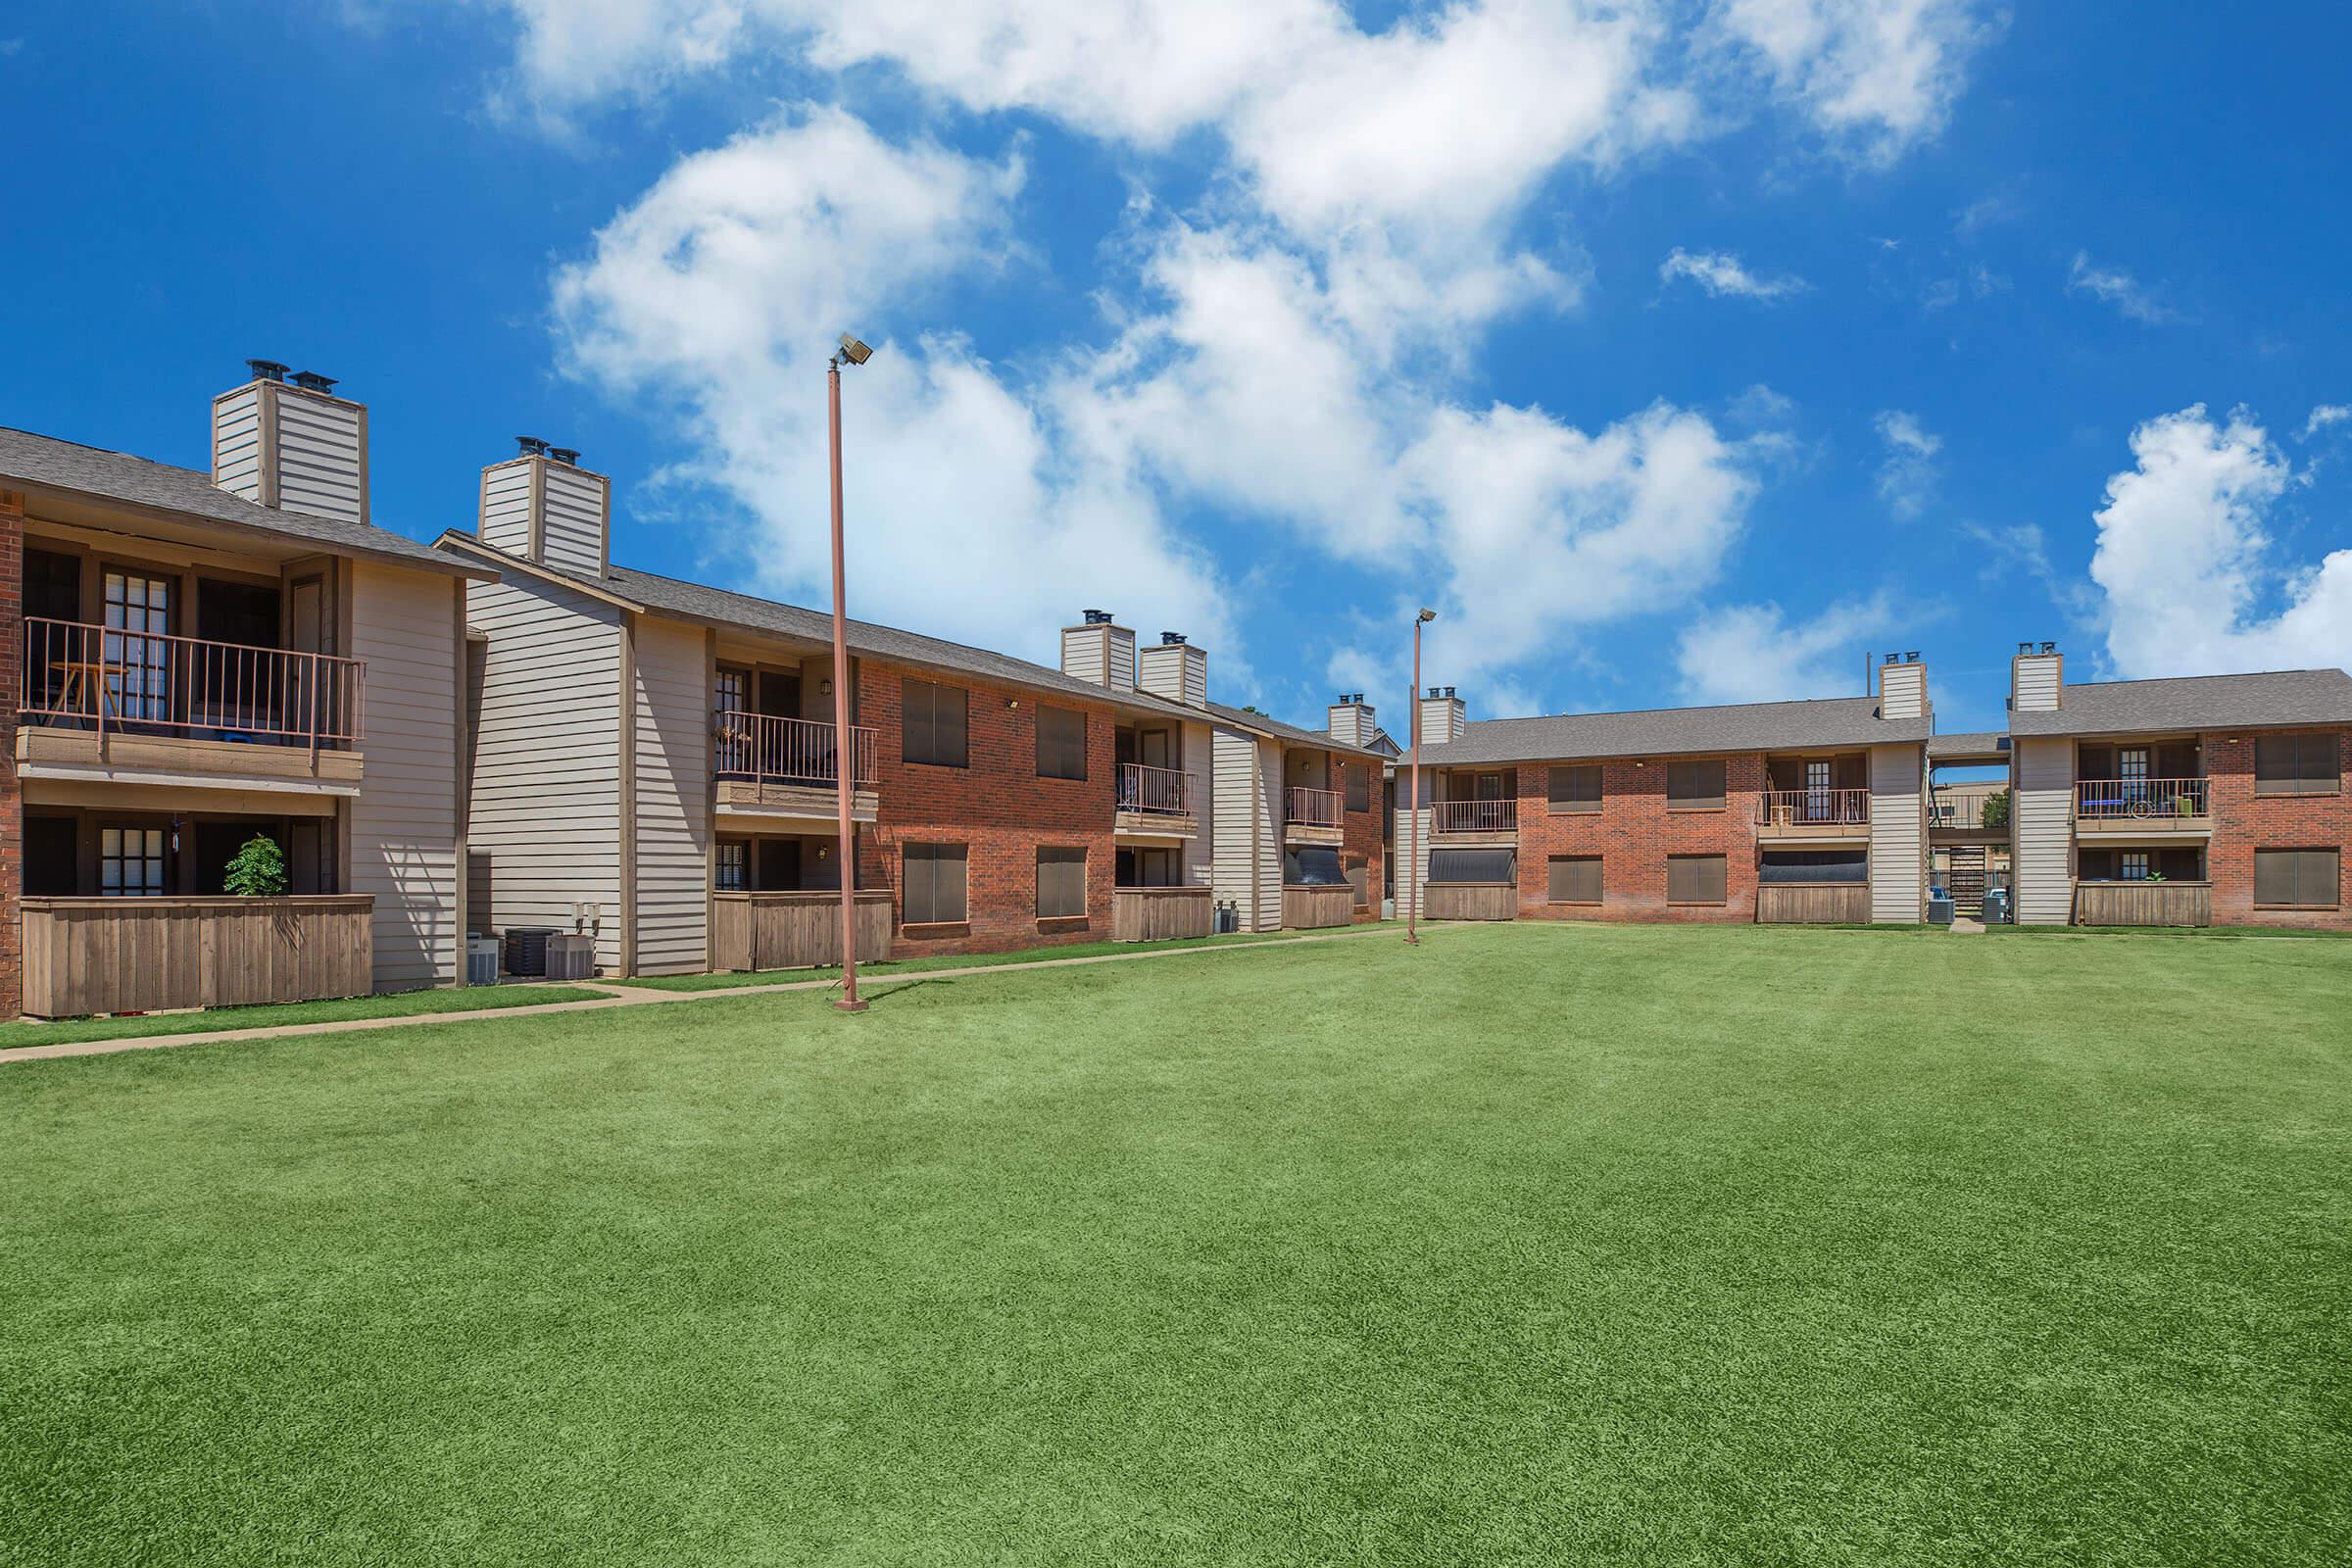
(12, 800)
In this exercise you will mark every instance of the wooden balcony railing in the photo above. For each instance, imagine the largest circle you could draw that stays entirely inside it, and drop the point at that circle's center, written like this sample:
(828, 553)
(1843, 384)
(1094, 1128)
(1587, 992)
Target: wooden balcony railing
(1161, 791)
(148, 683)
(1823, 808)
(1476, 816)
(793, 750)
(2153, 799)
(1312, 807)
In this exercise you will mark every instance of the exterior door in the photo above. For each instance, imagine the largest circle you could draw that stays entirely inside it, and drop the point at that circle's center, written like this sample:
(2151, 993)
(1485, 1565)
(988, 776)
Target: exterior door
(137, 659)
(1820, 804)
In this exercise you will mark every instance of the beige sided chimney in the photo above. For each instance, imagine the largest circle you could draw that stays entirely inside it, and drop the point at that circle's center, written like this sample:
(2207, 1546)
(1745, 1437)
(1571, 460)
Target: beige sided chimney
(292, 444)
(1444, 718)
(1903, 687)
(1100, 651)
(542, 506)
(1174, 669)
(1351, 719)
(2037, 680)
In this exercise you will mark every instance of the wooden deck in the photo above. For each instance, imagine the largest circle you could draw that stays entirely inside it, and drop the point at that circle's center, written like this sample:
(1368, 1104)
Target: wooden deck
(1160, 914)
(793, 930)
(85, 955)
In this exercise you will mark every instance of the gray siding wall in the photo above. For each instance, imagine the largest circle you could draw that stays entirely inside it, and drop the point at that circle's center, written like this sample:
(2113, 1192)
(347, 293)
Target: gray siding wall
(506, 522)
(321, 455)
(673, 802)
(1247, 869)
(1200, 760)
(404, 824)
(1443, 719)
(1898, 837)
(547, 759)
(237, 442)
(2043, 830)
(575, 503)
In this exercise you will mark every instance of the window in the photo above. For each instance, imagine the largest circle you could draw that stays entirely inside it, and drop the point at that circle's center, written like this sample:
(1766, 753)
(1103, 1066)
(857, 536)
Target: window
(130, 862)
(1474, 866)
(732, 861)
(1359, 786)
(1312, 866)
(931, 719)
(2135, 865)
(2297, 879)
(1575, 879)
(1061, 883)
(730, 693)
(2296, 764)
(1575, 788)
(138, 614)
(934, 883)
(1695, 878)
(1061, 743)
(1695, 787)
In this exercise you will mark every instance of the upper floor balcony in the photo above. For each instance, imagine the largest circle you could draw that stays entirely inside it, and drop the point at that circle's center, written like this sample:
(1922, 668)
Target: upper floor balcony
(2142, 806)
(771, 766)
(1312, 816)
(1154, 802)
(104, 702)
(1474, 818)
(1817, 814)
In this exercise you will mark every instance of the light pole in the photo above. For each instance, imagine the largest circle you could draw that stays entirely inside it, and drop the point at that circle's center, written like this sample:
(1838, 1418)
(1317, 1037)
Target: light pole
(1412, 823)
(845, 756)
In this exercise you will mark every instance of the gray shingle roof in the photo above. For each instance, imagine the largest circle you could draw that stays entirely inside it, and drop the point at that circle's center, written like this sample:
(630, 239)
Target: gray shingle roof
(721, 607)
(1969, 743)
(2195, 702)
(1672, 731)
(41, 459)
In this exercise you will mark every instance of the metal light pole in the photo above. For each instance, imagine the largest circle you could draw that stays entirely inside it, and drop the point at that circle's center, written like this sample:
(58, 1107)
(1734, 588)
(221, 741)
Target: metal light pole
(1412, 825)
(845, 756)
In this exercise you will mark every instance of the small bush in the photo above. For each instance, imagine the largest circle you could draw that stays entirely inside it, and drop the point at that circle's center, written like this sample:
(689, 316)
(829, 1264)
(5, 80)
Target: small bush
(258, 871)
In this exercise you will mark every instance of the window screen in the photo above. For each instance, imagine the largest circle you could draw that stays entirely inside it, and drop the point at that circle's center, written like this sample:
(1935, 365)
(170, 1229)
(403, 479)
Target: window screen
(1815, 865)
(1061, 743)
(1060, 882)
(2296, 764)
(1312, 866)
(2300, 879)
(1695, 878)
(733, 859)
(1575, 788)
(1359, 786)
(1575, 879)
(1692, 786)
(1473, 865)
(935, 882)
(932, 721)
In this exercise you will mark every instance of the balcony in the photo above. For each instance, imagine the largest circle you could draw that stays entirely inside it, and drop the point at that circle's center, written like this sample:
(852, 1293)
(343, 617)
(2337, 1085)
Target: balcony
(1474, 822)
(1974, 810)
(2144, 807)
(1155, 803)
(1311, 816)
(1161, 915)
(116, 954)
(770, 765)
(98, 703)
(1813, 817)
(2147, 903)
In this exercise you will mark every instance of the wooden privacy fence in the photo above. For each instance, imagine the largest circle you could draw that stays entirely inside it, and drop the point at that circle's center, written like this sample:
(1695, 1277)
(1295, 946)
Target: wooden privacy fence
(1309, 908)
(793, 930)
(149, 954)
(1470, 901)
(1160, 914)
(1813, 903)
(2143, 904)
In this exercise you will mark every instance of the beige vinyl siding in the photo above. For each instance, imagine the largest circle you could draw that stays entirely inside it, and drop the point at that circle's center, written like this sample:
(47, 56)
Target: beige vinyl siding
(1199, 851)
(2036, 682)
(404, 824)
(320, 443)
(1102, 653)
(674, 799)
(574, 504)
(237, 442)
(2043, 830)
(507, 507)
(547, 769)
(1412, 846)
(1247, 791)
(1898, 834)
(1177, 672)
(1903, 691)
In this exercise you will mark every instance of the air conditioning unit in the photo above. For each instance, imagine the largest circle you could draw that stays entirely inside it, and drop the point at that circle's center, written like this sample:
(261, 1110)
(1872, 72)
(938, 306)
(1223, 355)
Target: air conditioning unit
(481, 960)
(571, 958)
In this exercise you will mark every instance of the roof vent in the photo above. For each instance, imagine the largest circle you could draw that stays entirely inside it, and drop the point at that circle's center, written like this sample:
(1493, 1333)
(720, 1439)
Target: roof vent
(1912, 656)
(1892, 658)
(265, 369)
(312, 381)
(2049, 648)
(1171, 639)
(570, 457)
(2025, 648)
(1097, 617)
(530, 446)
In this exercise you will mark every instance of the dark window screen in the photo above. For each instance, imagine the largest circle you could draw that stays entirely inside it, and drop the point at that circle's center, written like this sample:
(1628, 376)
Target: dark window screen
(1060, 882)
(2306, 879)
(935, 884)
(1694, 879)
(1575, 879)
(1815, 865)
(932, 719)
(2296, 764)
(1473, 865)
(1575, 788)
(1061, 743)
(1694, 785)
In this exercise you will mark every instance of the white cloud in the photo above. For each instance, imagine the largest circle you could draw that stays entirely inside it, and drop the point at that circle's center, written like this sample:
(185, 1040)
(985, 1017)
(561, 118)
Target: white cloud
(2187, 568)
(1908, 473)
(1721, 274)
(1753, 654)
(1876, 75)
(2326, 415)
(2119, 289)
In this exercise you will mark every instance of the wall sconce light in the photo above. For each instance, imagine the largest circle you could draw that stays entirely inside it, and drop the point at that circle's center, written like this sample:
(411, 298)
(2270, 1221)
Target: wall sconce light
(1012, 701)
(824, 688)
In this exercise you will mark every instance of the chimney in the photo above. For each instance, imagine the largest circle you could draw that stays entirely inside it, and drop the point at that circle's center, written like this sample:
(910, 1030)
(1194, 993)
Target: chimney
(1351, 719)
(1100, 651)
(542, 506)
(1174, 669)
(2037, 680)
(292, 444)
(1903, 687)
(1442, 717)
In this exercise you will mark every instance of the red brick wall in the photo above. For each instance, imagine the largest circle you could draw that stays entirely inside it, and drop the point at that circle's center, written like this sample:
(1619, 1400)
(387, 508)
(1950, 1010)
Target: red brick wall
(12, 800)
(1633, 833)
(2243, 822)
(1361, 830)
(997, 808)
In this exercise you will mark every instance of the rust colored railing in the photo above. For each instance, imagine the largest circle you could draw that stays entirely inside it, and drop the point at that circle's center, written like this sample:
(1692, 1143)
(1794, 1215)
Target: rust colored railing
(1477, 817)
(1971, 810)
(1165, 791)
(2151, 798)
(800, 751)
(1824, 807)
(148, 682)
(1312, 807)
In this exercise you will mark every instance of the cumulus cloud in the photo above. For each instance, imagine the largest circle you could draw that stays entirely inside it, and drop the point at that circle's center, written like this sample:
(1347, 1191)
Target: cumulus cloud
(2326, 415)
(2187, 568)
(1722, 274)
(1908, 472)
(1754, 653)
(1876, 75)
(2121, 289)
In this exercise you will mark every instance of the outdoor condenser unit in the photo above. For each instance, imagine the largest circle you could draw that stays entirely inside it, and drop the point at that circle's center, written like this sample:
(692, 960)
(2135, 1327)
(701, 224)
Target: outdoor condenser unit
(570, 958)
(481, 960)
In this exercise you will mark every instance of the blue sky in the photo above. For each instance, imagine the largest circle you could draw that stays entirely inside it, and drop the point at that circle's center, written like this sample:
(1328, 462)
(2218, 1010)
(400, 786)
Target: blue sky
(1675, 353)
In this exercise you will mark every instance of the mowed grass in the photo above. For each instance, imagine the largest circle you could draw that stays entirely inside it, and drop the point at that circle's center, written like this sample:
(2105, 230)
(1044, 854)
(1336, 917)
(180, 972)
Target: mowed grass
(16, 1035)
(1537, 1245)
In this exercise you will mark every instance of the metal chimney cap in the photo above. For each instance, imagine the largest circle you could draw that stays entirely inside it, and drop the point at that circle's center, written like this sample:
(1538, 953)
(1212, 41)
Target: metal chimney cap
(570, 457)
(1912, 656)
(531, 446)
(312, 381)
(265, 369)
(1891, 658)
(1097, 617)
(2049, 648)
(2025, 648)
(1171, 639)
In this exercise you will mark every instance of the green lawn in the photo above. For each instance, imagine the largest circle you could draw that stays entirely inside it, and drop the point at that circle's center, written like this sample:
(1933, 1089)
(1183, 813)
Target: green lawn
(1540, 1245)
(17, 1034)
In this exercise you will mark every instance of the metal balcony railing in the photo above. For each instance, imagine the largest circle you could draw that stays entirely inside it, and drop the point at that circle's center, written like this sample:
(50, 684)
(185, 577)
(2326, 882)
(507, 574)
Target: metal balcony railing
(790, 751)
(105, 678)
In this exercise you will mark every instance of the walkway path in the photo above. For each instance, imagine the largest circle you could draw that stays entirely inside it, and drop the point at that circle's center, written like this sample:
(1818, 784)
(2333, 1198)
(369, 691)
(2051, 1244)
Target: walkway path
(618, 995)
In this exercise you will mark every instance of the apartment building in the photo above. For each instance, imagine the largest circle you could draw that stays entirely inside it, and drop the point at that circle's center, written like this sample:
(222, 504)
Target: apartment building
(1796, 812)
(654, 765)
(203, 657)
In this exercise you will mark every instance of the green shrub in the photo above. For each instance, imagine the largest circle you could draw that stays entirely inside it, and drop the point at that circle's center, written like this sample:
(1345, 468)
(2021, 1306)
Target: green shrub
(258, 871)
